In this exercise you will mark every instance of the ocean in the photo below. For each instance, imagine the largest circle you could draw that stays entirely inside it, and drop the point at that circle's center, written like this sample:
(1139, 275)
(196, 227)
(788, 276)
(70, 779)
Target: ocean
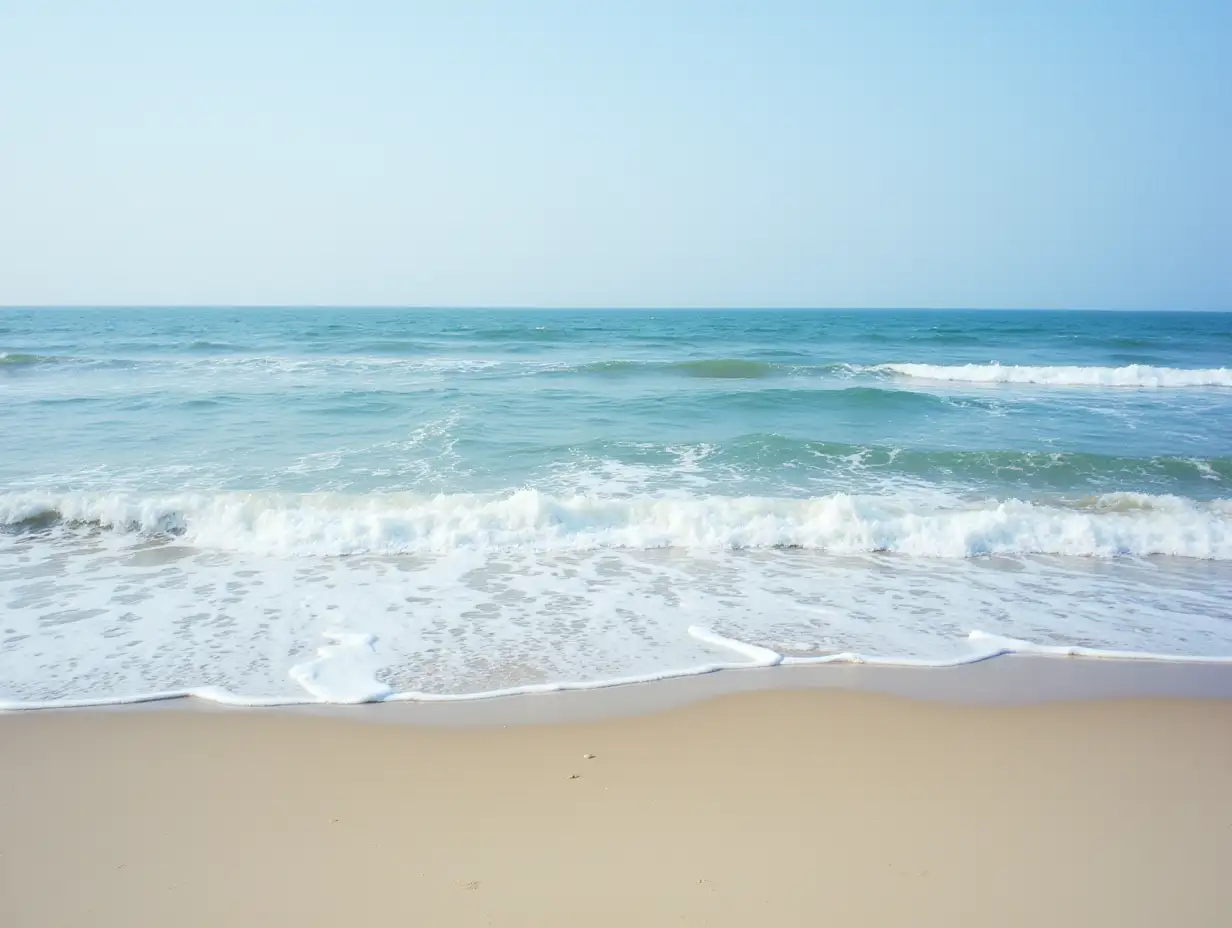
(266, 506)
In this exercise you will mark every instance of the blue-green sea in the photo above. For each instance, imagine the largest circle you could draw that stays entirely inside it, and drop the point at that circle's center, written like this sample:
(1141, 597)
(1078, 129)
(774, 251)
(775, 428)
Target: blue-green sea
(269, 505)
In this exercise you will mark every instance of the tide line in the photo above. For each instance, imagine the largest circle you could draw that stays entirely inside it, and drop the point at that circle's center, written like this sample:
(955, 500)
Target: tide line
(344, 672)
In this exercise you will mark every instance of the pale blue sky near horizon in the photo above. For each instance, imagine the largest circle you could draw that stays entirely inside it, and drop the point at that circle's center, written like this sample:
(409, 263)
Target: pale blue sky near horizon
(556, 154)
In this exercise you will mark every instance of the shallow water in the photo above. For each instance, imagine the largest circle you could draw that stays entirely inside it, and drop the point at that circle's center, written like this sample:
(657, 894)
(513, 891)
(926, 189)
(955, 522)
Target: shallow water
(195, 497)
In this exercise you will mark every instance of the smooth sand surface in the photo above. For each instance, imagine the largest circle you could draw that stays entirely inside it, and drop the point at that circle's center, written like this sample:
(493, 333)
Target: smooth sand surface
(807, 807)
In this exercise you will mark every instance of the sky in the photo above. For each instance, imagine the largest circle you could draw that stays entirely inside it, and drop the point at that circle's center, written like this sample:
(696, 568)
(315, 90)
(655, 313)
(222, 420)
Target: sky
(658, 154)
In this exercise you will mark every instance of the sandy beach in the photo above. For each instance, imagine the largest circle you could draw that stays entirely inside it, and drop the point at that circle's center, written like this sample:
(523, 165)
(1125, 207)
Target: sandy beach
(630, 465)
(788, 807)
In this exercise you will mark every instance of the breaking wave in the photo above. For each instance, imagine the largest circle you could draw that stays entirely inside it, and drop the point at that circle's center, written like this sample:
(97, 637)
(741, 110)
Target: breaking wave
(329, 524)
(1133, 375)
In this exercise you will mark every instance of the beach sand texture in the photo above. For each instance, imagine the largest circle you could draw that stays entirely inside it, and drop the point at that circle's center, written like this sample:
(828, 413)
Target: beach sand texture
(805, 807)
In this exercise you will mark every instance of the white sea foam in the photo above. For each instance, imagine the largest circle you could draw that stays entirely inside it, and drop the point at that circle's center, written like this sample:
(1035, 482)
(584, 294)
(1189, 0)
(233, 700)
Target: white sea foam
(342, 674)
(214, 694)
(1109, 525)
(996, 645)
(762, 657)
(1133, 375)
(131, 616)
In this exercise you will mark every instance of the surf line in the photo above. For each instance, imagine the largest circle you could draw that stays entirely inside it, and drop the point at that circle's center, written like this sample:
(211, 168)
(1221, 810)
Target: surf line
(344, 672)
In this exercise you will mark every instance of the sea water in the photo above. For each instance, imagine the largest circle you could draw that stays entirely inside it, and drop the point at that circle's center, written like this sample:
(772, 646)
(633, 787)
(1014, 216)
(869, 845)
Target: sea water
(344, 504)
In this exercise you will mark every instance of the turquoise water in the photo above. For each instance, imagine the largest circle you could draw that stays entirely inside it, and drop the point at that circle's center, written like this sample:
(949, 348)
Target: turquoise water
(195, 497)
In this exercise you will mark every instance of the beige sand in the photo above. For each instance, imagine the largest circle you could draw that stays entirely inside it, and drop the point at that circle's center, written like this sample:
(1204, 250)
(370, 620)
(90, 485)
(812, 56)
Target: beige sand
(765, 808)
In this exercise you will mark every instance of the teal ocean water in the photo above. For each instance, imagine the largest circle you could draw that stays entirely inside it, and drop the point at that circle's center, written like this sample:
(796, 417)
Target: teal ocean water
(344, 504)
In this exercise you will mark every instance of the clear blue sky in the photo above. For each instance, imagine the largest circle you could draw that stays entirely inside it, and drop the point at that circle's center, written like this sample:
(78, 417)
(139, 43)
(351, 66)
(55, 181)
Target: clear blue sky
(616, 154)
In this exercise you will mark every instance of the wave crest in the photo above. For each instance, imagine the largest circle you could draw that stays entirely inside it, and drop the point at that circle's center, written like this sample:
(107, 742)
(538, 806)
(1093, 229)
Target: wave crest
(1118, 524)
(17, 359)
(1133, 375)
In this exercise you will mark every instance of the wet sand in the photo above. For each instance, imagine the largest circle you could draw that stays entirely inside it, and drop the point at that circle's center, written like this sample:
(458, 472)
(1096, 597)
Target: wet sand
(780, 807)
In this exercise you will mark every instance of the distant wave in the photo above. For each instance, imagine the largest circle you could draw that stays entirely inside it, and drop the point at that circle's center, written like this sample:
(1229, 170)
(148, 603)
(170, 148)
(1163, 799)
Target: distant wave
(1108, 525)
(206, 345)
(732, 368)
(725, 368)
(1063, 467)
(867, 399)
(276, 364)
(773, 400)
(706, 368)
(932, 338)
(1133, 375)
(16, 359)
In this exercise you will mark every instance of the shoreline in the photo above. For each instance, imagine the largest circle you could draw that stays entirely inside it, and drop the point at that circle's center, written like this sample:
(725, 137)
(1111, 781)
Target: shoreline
(1004, 679)
(787, 806)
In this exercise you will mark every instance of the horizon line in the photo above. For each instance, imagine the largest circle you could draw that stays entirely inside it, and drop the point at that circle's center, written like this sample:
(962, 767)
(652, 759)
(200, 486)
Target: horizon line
(530, 307)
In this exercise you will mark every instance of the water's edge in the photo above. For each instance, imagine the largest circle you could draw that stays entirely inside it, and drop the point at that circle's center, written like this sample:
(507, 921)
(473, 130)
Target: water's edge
(999, 670)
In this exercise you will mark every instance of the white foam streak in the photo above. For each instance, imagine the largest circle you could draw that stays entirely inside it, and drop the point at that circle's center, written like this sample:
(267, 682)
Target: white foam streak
(212, 694)
(1000, 644)
(1110, 525)
(761, 657)
(1133, 375)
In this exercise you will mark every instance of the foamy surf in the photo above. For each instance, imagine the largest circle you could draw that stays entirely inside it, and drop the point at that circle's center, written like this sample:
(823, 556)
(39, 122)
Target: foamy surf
(1108, 525)
(343, 673)
(1132, 375)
